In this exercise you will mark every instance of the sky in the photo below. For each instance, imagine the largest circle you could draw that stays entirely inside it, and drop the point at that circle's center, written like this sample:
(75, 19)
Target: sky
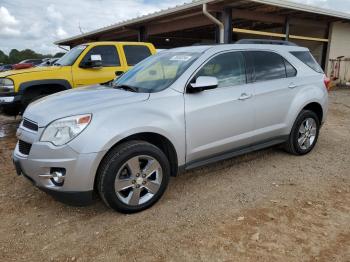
(36, 24)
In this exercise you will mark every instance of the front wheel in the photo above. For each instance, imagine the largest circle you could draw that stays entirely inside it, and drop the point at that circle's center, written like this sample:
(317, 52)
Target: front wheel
(304, 134)
(133, 176)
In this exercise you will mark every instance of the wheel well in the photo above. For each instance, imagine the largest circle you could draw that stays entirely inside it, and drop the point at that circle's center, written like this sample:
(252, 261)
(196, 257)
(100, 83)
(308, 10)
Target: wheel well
(316, 108)
(159, 141)
(44, 89)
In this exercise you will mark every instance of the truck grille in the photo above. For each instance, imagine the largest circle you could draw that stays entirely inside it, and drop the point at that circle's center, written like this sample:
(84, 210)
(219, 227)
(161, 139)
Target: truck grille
(30, 125)
(24, 147)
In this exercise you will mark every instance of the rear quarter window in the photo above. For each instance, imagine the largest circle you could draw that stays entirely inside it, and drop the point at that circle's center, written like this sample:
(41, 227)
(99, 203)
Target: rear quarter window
(136, 53)
(307, 58)
(290, 70)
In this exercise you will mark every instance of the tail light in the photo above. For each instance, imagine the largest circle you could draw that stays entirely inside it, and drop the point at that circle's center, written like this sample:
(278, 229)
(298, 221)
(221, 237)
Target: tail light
(327, 83)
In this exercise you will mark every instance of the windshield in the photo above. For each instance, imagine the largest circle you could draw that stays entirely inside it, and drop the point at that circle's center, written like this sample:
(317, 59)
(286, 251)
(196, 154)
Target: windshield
(157, 72)
(69, 58)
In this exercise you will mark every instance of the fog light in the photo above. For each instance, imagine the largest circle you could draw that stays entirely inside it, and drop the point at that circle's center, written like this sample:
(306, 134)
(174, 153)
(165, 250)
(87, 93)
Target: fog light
(58, 175)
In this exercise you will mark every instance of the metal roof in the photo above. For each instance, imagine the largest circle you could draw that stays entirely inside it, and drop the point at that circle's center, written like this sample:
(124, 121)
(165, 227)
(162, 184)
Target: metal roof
(195, 3)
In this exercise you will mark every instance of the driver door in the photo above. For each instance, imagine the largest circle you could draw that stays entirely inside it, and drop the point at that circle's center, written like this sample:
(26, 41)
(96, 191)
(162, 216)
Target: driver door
(221, 119)
(90, 76)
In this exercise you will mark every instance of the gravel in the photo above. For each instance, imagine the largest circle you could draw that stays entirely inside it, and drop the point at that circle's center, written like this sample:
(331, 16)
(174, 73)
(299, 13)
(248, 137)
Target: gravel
(266, 206)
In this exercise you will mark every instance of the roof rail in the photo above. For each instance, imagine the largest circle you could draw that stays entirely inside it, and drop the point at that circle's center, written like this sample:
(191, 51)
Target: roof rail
(265, 42)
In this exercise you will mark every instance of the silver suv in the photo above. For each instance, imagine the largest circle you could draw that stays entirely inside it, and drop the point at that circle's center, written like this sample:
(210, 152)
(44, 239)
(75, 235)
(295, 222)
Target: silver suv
(177, 110)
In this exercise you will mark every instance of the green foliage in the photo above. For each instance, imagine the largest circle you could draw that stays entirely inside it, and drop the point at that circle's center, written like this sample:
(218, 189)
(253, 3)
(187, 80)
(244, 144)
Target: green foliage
(16, 56)
(59, 54)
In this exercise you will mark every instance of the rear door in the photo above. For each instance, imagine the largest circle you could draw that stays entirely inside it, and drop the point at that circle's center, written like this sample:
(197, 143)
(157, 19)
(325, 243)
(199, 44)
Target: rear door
(110, 64)
(221, 119)
(274, 83)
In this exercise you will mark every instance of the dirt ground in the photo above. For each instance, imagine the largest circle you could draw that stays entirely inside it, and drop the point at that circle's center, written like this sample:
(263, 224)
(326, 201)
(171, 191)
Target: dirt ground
(264, 206)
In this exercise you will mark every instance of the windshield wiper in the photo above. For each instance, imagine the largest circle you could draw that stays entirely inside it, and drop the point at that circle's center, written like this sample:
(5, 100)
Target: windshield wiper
(127, 88)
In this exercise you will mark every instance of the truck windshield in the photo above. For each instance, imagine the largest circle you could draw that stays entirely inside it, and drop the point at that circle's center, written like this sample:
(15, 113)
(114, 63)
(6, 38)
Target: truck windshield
(157, 72)
(69, 58)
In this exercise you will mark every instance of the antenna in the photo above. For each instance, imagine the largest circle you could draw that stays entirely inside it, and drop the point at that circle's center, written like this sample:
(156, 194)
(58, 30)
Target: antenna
(81, 30)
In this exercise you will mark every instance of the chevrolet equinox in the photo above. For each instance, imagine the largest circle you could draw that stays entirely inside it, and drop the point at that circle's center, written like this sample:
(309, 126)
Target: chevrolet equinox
(174, 111)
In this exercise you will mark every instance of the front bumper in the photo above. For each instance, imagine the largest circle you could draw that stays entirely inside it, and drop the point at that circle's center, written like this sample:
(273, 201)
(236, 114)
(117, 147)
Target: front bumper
(80, 170)
(74, 198)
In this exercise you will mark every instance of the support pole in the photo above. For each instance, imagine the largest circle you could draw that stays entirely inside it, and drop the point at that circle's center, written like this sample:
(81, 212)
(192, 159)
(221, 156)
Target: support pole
(287, 28)
(227, 19)
(142, 34)
(215, 21)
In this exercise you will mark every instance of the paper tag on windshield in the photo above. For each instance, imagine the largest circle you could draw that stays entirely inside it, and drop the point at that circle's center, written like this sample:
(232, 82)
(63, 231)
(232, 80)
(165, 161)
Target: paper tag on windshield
(183, 58)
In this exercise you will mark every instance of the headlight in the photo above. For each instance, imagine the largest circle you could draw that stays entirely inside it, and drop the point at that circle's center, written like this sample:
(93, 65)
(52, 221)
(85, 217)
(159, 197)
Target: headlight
(6, 85)
(64, 130)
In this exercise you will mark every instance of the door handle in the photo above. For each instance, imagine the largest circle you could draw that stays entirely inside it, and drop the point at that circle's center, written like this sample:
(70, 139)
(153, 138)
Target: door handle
(292, 86)
(245, 96)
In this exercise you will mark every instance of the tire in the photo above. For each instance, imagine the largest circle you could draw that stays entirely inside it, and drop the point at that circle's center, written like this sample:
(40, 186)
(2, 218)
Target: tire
(133, 176)
(309, 137)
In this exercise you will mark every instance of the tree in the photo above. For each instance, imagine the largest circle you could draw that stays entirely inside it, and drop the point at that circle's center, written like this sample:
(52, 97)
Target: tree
(16, 56)
(59, 54)
(3, 58)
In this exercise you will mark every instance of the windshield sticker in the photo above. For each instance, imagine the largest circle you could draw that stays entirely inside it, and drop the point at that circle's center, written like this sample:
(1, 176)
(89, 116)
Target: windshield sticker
(183, 58)
(96, 58)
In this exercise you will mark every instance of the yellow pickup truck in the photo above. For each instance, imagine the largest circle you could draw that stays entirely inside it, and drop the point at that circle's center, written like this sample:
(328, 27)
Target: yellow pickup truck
(85, 64)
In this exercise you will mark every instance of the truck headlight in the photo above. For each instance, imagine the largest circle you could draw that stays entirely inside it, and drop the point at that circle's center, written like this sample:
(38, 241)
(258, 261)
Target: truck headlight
(6, 85)
(64, 130)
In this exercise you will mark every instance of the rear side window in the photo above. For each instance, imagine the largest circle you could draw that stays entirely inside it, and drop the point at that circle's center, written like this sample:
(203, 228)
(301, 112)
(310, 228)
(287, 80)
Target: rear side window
(307, 58)
(267, 66)
(108, 54)
(136, 53)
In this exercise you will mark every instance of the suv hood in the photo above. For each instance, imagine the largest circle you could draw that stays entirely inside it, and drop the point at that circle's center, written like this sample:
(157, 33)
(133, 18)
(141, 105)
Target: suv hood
(79, 101)
(29, 70)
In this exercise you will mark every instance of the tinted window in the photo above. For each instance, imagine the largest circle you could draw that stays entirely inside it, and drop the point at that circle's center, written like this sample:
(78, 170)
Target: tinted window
(228, 68)
(108, 54)
(290, 70)
(307, 58)
(136, 53)
(267, 66)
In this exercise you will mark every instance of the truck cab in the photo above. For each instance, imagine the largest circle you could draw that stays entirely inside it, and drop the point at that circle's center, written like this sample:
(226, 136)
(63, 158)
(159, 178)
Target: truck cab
(85, 64)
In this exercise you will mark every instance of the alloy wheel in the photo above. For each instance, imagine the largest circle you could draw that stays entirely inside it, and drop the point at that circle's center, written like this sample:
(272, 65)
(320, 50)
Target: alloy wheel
(307, 133)
(138, 180)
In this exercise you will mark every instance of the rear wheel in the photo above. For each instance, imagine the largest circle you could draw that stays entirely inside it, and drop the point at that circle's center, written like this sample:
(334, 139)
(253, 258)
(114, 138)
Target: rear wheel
(304, 134)
(133, 176)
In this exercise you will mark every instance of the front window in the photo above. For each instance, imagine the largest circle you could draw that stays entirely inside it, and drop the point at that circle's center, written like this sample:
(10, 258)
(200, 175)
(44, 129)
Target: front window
(157, 72)
(228, 68)
(69, 58)
(108, 54)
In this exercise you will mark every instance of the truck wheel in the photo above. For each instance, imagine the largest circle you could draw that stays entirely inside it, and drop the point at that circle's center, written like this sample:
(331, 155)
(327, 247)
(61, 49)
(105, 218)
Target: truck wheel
(133, 176)
(304, 134)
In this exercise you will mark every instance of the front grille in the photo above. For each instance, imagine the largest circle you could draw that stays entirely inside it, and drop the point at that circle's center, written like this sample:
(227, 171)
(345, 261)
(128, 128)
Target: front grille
(30, 125)
(24, 147)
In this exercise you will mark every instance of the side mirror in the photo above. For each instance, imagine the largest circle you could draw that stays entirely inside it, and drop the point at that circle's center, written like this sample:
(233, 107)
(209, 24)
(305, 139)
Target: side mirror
(118, 73)
(204, 83)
